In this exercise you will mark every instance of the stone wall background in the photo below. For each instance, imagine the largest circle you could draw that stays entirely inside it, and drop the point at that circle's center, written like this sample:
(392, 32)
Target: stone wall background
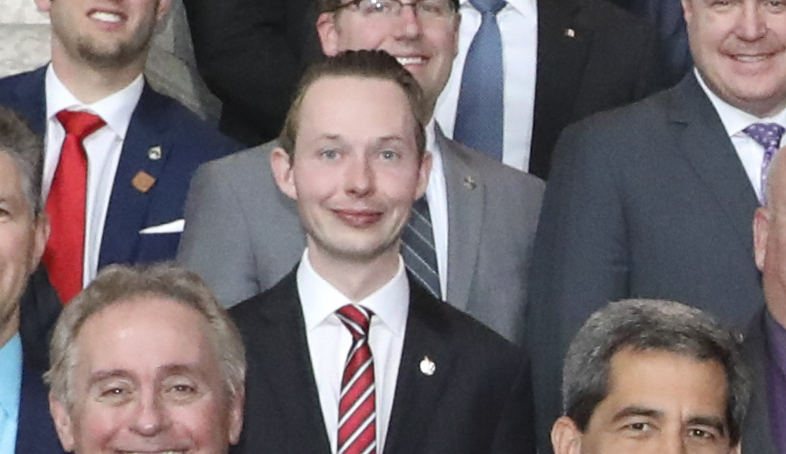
(24, 45)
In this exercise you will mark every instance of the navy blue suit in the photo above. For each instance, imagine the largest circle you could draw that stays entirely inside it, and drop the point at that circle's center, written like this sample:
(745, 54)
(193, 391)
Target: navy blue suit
(158, 121)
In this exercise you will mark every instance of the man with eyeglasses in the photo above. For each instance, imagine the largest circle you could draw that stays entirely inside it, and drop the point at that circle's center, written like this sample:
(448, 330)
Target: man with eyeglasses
(470, 237)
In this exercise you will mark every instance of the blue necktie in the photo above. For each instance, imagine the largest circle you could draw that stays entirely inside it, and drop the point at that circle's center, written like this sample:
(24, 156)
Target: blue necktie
(480, 116)
(768, 135)
(418, 250)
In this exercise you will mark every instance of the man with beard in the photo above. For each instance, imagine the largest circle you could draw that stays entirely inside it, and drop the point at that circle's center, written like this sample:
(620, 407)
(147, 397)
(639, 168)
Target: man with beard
(119, 156)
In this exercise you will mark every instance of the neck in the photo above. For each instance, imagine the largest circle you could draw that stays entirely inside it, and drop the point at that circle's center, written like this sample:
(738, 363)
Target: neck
(8, 326)
(355, 279)
(89, 83)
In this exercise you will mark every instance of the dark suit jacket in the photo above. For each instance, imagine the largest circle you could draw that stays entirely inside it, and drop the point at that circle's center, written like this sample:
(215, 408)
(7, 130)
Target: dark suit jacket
(158, 120)
(251, 54)
(651, 201)
(611, 60)
(756, 434)
(40, 308)
(477, 401)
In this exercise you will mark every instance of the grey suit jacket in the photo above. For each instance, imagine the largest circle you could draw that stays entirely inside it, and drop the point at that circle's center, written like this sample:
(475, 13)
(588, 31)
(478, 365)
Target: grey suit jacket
(650, 200)
(756, 435)
(243, 235)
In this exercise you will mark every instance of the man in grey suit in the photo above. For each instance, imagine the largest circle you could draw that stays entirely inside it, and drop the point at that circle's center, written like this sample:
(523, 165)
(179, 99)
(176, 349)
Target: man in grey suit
(764, 347)
(654, 200)
(242, 235)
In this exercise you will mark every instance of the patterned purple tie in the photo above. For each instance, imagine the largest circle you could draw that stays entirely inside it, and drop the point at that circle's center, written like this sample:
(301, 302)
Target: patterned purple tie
(768, 135)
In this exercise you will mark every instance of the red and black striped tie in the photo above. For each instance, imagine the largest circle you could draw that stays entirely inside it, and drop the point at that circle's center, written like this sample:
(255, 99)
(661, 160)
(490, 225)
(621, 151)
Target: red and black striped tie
(357, 432)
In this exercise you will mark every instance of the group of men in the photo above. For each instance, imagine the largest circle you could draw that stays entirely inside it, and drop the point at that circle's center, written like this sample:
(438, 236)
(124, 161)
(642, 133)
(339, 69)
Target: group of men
(344, 238)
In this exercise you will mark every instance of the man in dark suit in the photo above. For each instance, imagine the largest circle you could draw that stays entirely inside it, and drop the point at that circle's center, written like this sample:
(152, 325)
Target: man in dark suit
(418, 375)
(24, 320)
(765, 337)
(652, 376)
(654, 200)
(243, 236)
(137, 160)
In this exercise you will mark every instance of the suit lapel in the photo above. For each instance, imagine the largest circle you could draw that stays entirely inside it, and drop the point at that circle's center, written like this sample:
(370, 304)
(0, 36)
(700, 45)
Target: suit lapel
(291, 379)
(36, 433)
(128, 205)
(563, 47)
(29, 99)
(416, 391)
(465, 193)
(707, 146)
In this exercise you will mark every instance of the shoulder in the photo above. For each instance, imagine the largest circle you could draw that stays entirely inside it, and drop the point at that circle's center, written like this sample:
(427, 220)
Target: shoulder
(246, 162)
(267, 308)
(606, 18)
(9, 84)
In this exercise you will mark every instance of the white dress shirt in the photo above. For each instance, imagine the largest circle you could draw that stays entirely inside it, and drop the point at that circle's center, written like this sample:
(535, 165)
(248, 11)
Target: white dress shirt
(437, 197)
(329, 341)
(518, 26)
(734, 120)
(103, 149)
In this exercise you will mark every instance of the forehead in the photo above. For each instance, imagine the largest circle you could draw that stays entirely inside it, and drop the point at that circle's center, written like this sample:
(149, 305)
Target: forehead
(677, 386)
(144, 335)
(350, 105)
(10, 177)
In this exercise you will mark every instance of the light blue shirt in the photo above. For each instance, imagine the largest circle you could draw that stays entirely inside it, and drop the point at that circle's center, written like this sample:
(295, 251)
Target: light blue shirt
(10, 390)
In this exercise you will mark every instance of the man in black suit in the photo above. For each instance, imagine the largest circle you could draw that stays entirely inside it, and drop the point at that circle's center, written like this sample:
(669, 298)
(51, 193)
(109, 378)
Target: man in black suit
(24, 316)
(427, 378)
(765, 337)
(655, 200)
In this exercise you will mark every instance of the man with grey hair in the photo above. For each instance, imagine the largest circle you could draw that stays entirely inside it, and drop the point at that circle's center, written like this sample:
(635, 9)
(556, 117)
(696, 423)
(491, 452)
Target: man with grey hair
(25, 425)
(145, 360)
(652, 376)
(765, 340)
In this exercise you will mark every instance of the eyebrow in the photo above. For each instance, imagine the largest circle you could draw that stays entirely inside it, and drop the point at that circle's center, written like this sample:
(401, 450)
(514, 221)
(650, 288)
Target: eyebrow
(711, 421)
(627, 412)
(102, 375)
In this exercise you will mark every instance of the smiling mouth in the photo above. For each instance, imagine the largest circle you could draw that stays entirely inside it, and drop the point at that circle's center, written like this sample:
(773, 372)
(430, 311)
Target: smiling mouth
(153, 452)
(404, 61)
(105, 16)
(359, 218)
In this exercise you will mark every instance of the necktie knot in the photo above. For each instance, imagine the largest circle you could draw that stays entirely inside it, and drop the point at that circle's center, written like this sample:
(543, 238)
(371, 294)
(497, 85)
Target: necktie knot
(768, 135)
(79, 124)
(356, 318)
(488, 6)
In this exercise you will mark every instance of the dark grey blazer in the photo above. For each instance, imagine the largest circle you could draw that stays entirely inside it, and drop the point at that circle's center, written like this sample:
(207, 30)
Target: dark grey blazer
(756, 435)
(650, 200)
(242, 234)
(479, 400)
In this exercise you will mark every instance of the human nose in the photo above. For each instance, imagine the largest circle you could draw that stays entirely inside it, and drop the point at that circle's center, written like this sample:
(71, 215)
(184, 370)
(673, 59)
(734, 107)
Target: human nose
(409, 23)
(752, 23)
(151, 416)
(359, 176)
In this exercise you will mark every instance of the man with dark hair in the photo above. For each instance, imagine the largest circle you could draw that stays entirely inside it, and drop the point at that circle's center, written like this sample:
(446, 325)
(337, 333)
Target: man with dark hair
(25, 424)
(651, 376)
(348, 353)
(470, 237)
(118, 155)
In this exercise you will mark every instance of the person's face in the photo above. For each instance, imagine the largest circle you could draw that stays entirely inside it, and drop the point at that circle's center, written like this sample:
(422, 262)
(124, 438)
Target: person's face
(22, 240)
(103, 33)
(739, 47)
(769, 241)
(147, 379)
(658, 403)
(425, 47)
(356, 168)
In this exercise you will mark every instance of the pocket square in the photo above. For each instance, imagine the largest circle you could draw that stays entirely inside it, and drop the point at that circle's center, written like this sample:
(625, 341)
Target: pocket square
(169, 227)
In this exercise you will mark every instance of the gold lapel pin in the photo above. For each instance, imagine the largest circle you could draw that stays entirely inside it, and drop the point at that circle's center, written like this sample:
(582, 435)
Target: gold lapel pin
(427, 366)
(570, 33)
(469, 182)
(154, 153)
(143, 181)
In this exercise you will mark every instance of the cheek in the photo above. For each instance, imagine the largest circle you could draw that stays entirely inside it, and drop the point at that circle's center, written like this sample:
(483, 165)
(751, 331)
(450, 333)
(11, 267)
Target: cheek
(96, 426)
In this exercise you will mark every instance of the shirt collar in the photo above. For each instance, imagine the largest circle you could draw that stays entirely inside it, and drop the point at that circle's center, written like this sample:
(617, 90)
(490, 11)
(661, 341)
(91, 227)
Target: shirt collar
(527, 8)
(11, 376)
(735, 120)
(320, 300)
(116, 109)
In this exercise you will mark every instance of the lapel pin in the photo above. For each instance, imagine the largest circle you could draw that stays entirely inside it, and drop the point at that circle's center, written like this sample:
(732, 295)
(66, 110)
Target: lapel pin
(154, 153)
(143, 181)
(469, 182)
(570, 33)
(427, 366)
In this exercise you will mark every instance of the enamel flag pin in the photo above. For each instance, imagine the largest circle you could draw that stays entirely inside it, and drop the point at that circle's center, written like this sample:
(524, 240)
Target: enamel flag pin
(427, 366)
(469, 182)
(154, 153)
(143, 181)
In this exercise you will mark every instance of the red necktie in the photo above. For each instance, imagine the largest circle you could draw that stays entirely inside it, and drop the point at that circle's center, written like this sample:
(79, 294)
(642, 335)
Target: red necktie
(356, 409)
(65, 206)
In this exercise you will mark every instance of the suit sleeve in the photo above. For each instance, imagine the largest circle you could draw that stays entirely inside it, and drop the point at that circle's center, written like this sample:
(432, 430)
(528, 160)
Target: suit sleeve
(251, 54)
(216, 241)
(580, 259)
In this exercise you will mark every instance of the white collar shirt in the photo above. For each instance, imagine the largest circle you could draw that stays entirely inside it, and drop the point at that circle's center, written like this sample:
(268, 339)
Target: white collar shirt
(437, 197)
(329, 341)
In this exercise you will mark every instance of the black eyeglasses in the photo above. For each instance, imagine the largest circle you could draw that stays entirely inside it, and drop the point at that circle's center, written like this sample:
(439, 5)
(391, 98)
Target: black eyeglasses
(424, 9)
